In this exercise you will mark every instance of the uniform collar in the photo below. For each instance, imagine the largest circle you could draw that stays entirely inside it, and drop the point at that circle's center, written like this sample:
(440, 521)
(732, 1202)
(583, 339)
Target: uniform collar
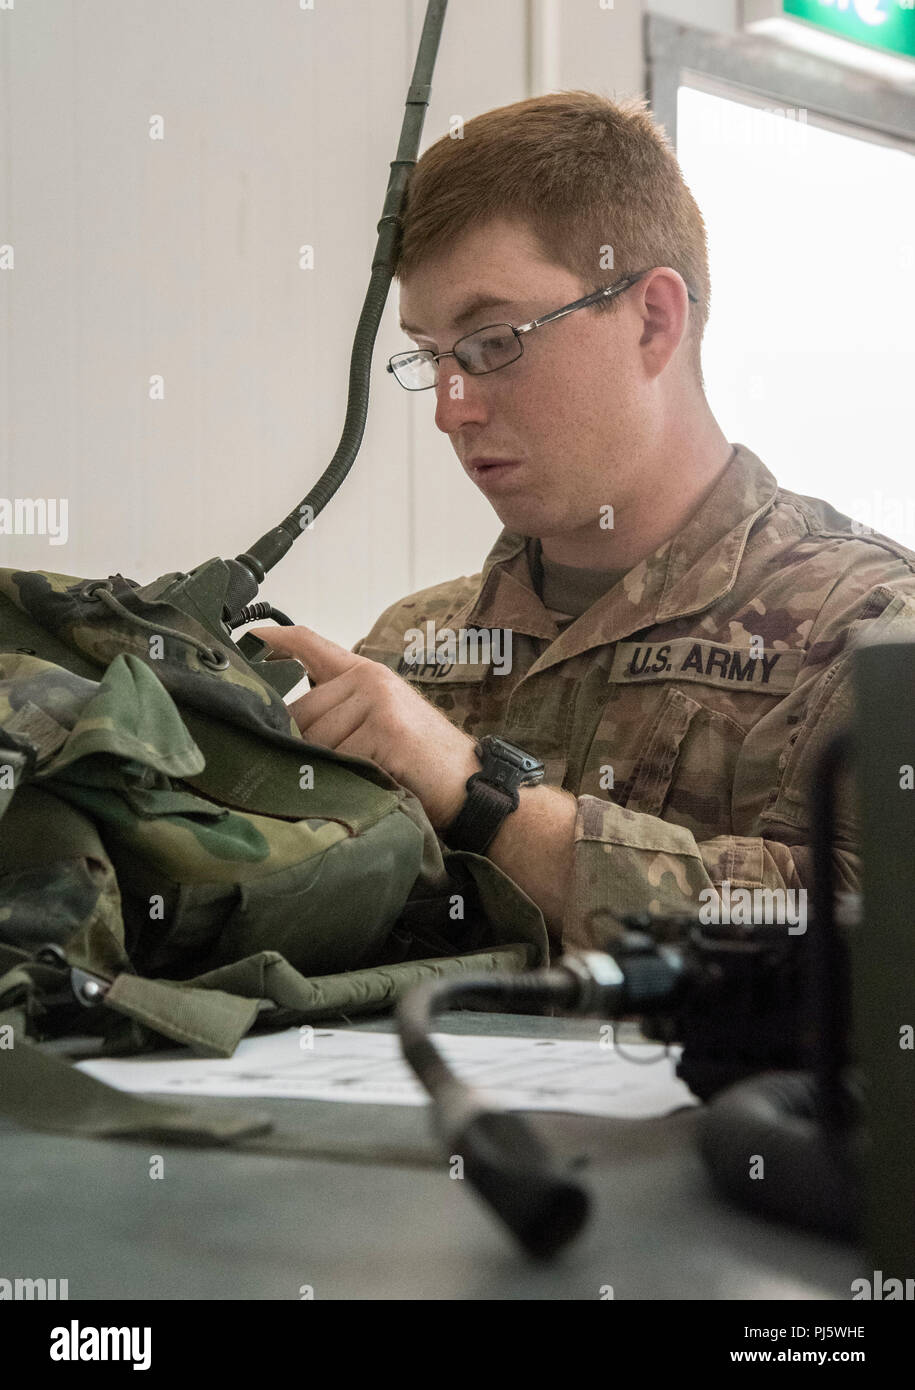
(687, 574)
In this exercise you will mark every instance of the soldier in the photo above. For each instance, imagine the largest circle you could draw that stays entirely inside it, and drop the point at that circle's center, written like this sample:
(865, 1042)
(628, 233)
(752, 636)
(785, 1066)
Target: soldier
(678, 627)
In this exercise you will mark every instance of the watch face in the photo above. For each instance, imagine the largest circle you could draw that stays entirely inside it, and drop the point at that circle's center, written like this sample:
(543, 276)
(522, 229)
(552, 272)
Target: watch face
(513, 763)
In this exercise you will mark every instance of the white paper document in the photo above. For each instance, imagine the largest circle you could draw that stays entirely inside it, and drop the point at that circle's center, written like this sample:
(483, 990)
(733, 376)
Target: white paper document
(584, 1078)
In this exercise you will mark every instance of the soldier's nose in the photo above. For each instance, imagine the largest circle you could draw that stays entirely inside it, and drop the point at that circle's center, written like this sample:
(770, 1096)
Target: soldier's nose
(458, 402)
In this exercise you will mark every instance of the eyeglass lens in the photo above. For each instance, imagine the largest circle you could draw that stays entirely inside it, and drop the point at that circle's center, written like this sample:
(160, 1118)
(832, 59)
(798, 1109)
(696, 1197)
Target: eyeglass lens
(478, 353)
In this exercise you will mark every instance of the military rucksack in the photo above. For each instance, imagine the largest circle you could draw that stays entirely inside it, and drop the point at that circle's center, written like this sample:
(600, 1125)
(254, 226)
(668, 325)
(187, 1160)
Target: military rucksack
(176, 862)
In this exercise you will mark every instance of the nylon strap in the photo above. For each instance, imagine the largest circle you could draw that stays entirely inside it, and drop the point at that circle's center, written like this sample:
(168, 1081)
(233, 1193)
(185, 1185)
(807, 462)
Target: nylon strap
(41, 1091)
(208, 1020)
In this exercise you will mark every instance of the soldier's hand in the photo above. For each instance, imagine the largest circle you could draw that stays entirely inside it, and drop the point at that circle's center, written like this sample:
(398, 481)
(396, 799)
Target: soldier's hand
(360, 706)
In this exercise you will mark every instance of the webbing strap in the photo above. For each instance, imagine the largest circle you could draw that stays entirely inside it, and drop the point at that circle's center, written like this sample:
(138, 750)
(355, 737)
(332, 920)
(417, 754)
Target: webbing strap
(208, 1020)
(42, 1091)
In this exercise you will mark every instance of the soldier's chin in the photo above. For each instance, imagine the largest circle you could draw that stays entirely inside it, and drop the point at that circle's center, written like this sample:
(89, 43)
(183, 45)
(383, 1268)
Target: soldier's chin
(515, 517)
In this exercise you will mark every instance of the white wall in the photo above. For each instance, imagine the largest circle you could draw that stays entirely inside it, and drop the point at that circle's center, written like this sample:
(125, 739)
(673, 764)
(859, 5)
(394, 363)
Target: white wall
(135, 256)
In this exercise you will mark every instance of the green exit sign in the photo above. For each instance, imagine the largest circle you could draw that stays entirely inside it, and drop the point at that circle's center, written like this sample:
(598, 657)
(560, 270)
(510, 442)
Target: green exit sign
(885, 24)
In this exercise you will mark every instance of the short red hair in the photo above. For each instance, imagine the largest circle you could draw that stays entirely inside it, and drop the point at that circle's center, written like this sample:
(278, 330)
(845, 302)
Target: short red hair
(585, 173)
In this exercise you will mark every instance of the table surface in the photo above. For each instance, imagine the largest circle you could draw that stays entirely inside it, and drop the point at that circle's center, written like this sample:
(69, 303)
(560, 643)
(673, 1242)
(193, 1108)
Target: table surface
(355, 1202)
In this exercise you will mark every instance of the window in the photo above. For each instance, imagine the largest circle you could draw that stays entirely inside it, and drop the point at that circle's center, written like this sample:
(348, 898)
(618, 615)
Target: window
(809, 354)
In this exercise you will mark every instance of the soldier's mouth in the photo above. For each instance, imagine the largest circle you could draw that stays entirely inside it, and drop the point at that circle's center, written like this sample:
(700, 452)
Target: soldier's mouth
(486, 470)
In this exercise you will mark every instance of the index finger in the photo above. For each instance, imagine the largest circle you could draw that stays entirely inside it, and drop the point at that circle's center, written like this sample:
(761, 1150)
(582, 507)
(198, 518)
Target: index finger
(321, 658)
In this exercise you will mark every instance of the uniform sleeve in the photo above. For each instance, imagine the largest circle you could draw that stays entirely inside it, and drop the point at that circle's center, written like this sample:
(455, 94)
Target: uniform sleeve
(627, 861)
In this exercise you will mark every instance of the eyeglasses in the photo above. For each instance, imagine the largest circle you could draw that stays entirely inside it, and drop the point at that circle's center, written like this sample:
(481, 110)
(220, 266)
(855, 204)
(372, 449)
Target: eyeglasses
(496, 346)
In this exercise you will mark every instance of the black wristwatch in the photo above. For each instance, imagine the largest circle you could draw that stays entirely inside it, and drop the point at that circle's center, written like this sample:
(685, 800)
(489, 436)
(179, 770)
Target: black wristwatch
(492, 793)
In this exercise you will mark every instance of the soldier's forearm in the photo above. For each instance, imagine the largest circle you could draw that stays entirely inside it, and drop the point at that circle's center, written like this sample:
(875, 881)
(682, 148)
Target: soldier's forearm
(534, 847)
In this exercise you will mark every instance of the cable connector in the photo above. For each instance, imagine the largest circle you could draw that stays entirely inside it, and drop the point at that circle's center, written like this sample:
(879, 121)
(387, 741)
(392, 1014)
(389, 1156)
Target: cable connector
(601, 982)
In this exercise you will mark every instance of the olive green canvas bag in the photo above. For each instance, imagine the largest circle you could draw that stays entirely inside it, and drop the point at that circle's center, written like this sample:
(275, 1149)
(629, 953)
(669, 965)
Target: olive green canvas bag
(177, 863)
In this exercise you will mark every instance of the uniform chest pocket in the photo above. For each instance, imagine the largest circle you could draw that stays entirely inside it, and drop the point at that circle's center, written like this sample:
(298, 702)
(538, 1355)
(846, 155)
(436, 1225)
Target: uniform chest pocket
(669, 736)
(636, 745)
(668, 754)
(648, 783)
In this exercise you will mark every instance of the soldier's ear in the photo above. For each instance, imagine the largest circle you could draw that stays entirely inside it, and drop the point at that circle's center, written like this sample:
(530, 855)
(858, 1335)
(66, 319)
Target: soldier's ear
(662, 301)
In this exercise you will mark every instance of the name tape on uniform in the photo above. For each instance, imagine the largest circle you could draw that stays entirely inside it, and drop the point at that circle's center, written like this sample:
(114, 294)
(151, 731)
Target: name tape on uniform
(443, 671)
(692, 659)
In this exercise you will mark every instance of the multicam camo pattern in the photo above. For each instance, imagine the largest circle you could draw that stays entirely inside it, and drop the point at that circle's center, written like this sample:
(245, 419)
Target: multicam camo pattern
(691, 759)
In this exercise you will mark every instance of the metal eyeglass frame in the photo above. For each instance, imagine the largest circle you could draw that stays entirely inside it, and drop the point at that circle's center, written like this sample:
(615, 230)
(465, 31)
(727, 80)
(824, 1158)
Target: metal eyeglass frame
(608, 293)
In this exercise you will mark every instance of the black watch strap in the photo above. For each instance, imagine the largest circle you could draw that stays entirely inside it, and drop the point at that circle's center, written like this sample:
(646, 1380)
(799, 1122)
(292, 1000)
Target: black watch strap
(479, 818)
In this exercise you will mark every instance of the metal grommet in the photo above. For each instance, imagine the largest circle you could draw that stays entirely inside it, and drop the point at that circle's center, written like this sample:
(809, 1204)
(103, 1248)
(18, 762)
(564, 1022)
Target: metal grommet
(213, 658)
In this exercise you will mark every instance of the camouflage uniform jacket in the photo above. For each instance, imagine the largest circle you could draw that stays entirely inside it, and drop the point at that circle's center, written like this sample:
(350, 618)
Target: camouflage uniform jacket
(686, 707)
